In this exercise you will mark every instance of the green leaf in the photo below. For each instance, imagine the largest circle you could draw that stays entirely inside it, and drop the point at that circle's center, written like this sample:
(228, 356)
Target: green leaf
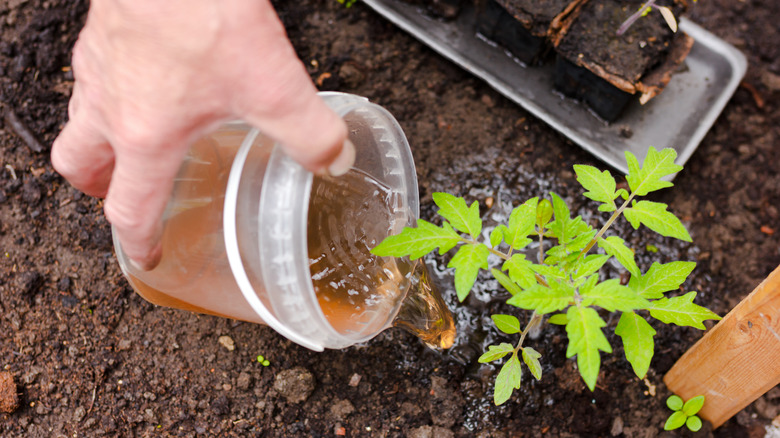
(616, 247)
(661, 278)
(562, 252)
(693, 406)
(416, 242)
(558, 319)
(508, 380)
(544, 212)
(590, 265)
(521, 224)
(549, 272)
(562, 217)
(693, 423)
(611, 295)
(638, 343)
(585, 341)
(601, 186)
(520, 271)
(531, 359)
(505, 281)
(656, 166)
(584, 233)
(497, 235)
(467, 262)
(653, 215)
(543, 299)
(675, 421)
(506, 323)
(496, 352)
(464, 219)
(675, 402)
(587, 283)
(681, 311)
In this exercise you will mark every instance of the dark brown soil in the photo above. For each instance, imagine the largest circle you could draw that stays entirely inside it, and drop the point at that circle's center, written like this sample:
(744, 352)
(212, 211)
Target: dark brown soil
(589, 40)
(91, 358)
(534, 14)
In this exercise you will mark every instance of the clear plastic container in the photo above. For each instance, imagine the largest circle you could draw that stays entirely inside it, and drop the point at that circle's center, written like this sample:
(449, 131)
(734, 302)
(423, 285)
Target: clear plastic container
(235, 231)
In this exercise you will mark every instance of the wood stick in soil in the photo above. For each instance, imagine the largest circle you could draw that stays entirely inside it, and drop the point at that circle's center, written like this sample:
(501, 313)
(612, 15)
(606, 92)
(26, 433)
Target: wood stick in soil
(738, 360)
(13, 121)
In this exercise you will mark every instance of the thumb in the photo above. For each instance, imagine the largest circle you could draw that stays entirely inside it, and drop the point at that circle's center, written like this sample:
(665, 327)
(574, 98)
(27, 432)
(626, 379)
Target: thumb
(276, 95)
(310, 132)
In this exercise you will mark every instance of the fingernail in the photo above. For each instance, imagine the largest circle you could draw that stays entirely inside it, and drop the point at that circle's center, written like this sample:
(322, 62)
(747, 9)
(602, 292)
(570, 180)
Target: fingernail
(150, 263)
(137, 266)
(344, 161)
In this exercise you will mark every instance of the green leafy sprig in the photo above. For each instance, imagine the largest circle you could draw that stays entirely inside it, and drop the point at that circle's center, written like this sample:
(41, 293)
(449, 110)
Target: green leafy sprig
(684, 413)
(564, 284)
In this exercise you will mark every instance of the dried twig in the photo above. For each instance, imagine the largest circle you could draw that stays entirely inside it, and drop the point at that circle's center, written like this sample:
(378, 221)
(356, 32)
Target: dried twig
(12, 120)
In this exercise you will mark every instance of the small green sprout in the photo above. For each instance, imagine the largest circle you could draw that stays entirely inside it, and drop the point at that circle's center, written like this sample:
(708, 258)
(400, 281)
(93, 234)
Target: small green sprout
(347, 3)
(644, 10)
(684, 413)
(262, 361)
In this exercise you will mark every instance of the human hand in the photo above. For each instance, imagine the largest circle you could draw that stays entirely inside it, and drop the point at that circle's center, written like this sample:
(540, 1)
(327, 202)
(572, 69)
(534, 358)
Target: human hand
(152, 76)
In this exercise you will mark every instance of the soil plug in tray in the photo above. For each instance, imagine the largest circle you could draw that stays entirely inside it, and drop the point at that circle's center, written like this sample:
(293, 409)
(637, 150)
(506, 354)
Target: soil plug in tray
(524, 27)
(606, 70)
(677, 118)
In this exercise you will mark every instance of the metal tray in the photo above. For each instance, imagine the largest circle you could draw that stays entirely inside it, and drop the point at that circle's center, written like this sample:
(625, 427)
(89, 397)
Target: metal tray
(678, 118)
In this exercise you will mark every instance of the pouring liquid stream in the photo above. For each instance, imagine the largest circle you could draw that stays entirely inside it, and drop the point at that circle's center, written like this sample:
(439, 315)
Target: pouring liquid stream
(359, 291)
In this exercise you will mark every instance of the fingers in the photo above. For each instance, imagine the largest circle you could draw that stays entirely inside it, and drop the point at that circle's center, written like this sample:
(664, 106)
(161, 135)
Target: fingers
(141, 185)
(81, 153)
(280, 99)
(311, 133)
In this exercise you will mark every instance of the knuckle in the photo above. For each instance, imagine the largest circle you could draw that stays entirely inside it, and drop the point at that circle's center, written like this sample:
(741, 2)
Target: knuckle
(127, 217)
(136, 135)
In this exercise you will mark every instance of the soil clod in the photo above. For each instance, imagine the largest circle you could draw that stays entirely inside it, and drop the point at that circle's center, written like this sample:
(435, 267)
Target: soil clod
(29, 282)
(9, 399)
(227, 342)
(295, 385)
(220, 405)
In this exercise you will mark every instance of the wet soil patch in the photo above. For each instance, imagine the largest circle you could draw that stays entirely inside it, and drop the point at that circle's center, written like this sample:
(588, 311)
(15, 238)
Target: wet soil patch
(89, 357)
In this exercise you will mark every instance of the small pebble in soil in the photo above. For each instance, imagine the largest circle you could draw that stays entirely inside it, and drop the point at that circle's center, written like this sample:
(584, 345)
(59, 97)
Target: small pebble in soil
(227, 342)
(9, 399)
(243, 381)
(355, 380)
(617, 426)
(295, 384)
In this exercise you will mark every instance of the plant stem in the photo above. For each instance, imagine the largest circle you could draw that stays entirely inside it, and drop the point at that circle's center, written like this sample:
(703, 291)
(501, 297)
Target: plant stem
(635, 16)
(504, 257)
(606, 226)
(540, 257)
(532, 323)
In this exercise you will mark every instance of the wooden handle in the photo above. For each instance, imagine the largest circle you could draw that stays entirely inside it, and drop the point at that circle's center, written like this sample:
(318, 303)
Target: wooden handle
(738, 360)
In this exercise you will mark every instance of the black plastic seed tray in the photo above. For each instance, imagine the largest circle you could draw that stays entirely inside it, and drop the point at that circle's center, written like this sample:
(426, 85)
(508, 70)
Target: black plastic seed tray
(678, 118)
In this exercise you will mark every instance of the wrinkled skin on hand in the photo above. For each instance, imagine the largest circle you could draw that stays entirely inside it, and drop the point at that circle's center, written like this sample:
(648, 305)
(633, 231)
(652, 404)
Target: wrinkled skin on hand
(151, 76)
